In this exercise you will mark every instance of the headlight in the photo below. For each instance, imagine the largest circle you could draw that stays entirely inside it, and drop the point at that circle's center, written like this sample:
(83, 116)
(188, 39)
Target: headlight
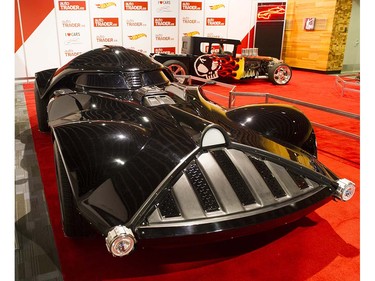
(120, 241)
(346, 189)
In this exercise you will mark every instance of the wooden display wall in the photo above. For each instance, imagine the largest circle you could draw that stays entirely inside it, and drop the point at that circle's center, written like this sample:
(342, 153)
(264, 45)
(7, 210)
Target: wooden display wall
(315, 34)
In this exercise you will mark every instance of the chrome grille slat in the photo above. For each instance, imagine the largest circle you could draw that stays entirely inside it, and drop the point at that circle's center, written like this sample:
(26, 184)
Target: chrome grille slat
(268, 178)
(311, 183)
(187, 199)
(299, 180)
(284, 179)
(234, 177)
(219, 184)
(260, 190)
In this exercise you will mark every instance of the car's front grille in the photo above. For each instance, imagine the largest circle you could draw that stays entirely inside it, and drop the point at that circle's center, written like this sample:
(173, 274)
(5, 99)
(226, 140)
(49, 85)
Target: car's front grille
(268, 177)
(234, 178)
(299, 180)
(228, 181)
(201, 188)
(168, 207)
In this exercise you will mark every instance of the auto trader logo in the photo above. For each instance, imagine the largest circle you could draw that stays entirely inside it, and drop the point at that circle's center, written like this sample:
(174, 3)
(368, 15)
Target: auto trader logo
(191, 6)
(189, 20)
(164, 21)
(103, 39)
(136, 6)
(71, 53)
(215, 21)
(165, 50)
(72, 5)
(68, 23)
(162, 37)
(134, 23)
(106, 22)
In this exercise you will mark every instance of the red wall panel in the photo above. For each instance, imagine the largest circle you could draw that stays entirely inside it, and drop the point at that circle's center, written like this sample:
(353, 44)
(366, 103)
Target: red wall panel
(32, 13)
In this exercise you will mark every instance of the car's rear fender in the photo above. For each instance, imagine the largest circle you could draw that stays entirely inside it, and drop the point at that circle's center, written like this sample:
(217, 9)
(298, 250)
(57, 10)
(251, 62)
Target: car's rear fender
(42, 79)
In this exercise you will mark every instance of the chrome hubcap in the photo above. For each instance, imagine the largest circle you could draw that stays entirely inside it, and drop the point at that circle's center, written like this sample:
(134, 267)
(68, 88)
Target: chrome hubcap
(282, 75)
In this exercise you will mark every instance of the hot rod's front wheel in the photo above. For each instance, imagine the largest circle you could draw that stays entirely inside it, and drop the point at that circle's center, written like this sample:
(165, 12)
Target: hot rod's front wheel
(280, 74)
(74, 225)
(177, 67)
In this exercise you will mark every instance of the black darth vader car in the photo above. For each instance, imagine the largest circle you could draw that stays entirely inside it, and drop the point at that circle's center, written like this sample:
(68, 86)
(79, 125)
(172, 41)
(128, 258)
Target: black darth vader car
(141, 157)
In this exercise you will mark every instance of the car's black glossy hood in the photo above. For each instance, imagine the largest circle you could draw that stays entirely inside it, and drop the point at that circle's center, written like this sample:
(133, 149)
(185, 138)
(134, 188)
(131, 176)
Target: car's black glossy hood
(109, 143)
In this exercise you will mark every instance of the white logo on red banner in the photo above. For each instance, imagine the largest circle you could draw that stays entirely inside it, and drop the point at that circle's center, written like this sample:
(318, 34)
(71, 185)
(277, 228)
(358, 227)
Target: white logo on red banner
(191, 6)
(72, 5)
(136, 6)
(106, 22)
(164, 21)
(215, 21)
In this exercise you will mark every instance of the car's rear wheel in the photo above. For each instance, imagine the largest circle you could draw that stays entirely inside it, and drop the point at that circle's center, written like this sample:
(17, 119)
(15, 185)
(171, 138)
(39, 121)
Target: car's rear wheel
(41, 110)
(177, 67)
(280, 74)
(74, 225)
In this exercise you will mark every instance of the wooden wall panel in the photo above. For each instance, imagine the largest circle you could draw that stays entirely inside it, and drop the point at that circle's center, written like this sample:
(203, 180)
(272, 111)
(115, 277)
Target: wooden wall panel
(323, 48)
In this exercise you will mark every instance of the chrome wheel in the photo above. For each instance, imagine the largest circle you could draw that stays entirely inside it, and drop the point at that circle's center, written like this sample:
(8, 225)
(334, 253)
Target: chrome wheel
(280, 74)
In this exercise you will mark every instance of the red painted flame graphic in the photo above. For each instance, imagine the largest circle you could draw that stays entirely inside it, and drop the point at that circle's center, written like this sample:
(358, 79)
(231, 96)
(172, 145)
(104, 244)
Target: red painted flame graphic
(228, 66)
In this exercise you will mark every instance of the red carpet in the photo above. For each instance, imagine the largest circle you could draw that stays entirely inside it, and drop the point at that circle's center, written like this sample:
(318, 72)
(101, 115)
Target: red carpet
(323, 246)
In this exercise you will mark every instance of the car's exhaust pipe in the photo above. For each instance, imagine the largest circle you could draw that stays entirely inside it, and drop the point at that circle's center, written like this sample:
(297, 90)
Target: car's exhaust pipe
(120, 241)
(346, 189)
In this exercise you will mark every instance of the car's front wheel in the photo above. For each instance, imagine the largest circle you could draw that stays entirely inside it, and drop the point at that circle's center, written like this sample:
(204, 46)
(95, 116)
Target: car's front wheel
(74, 225)
(280, 74)
(177, 67)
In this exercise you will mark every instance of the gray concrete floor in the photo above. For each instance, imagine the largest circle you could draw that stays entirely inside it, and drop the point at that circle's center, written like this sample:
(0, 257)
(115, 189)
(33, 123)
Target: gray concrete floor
(35, 250)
